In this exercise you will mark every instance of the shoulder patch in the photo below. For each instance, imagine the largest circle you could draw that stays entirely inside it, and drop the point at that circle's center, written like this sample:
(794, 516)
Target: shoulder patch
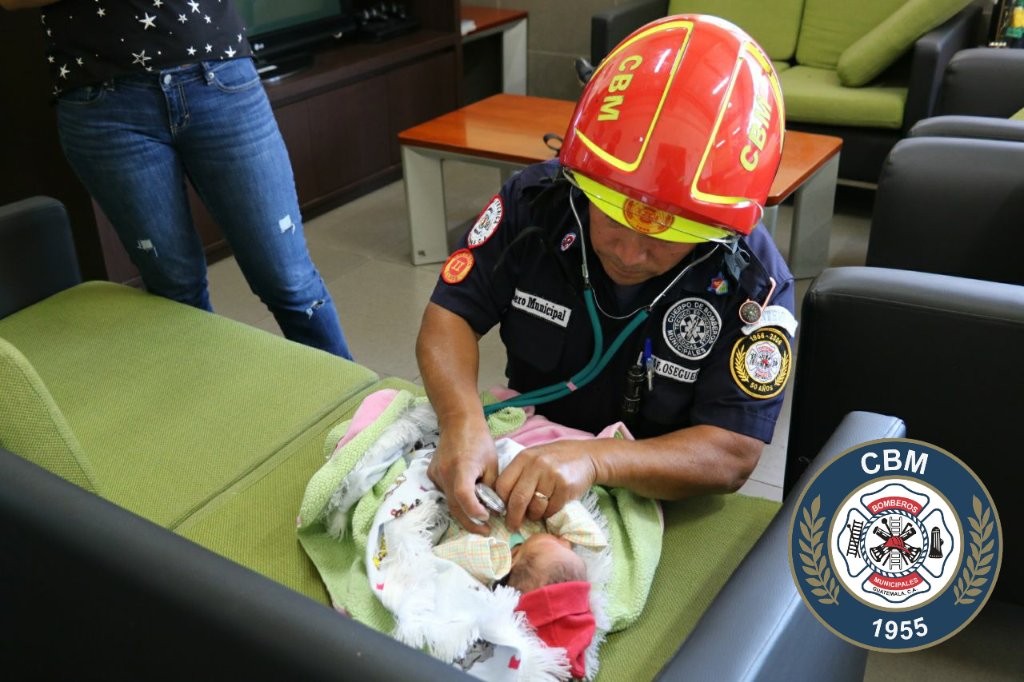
(457, 267)
(691, 327)
(487, 223)
(760, 363)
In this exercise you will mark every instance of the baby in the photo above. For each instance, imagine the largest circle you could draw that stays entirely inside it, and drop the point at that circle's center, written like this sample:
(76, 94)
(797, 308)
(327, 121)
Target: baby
(539, 562)
(540, 554)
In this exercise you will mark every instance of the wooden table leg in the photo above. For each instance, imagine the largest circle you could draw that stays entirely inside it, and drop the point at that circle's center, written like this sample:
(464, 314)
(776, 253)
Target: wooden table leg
(424, 196)
(513, 58)
(813, 207)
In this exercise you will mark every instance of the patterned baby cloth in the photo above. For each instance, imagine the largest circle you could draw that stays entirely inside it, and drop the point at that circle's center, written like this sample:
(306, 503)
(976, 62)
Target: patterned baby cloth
(489, 558)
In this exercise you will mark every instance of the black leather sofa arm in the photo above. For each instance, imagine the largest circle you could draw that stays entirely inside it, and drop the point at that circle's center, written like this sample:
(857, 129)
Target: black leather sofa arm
(929, 57)
(758, 628)
(37, 253)
(91, 591)
(608, 28)
(983, 81)
(976, 127)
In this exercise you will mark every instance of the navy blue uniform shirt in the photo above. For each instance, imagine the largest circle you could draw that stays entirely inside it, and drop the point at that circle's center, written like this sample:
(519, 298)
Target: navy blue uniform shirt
(523, 257)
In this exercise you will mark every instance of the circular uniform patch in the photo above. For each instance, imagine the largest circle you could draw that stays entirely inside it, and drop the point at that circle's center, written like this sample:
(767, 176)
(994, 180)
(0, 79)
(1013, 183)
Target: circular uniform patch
(457, 267)
(760, 363)
(691, 327)
(487, 224)
(895, 545)
(645, 219)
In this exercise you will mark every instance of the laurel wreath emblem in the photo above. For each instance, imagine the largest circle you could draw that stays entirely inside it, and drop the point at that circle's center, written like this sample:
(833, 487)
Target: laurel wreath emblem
(978, 564)
(739, 366)
(818, 573)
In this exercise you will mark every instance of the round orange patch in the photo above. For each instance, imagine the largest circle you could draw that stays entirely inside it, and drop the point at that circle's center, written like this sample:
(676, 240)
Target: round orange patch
(646, 219)
(457, 267)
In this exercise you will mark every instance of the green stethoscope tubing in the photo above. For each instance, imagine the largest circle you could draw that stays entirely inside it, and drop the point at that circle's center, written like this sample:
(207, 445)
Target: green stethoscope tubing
(599, 359)
(595, 366)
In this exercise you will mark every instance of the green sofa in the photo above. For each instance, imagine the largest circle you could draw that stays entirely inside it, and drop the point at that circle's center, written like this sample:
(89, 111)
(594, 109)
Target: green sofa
(863, 71)
(152, 461)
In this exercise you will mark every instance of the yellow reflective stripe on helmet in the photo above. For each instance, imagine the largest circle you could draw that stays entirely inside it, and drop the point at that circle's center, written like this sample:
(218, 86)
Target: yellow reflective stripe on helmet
(694, 190)
(769, 71)
(630, 166)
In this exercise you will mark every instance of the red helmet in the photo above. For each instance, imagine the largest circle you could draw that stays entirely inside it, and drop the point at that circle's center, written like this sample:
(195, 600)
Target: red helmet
(678, 134)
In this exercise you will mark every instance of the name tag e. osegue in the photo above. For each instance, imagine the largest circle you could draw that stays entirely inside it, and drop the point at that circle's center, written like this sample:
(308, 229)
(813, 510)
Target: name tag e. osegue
(542, 308)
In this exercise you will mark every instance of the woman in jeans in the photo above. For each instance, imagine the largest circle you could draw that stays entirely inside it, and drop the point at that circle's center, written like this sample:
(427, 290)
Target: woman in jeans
(151, 92)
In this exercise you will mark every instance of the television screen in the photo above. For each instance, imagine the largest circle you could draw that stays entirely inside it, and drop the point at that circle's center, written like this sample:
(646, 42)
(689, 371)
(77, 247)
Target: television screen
(276, 26)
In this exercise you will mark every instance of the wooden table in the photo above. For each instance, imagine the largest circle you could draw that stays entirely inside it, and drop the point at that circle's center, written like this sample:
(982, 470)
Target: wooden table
(507, 131)
(512, 24)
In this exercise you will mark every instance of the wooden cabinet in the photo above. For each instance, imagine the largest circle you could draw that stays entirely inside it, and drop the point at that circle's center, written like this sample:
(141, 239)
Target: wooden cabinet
(339, 117)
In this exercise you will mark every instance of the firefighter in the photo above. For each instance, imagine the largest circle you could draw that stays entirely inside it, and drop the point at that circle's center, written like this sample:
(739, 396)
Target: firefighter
(631, 282)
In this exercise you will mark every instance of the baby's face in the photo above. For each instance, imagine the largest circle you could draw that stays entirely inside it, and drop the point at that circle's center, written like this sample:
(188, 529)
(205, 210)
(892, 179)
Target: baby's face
(543, 550)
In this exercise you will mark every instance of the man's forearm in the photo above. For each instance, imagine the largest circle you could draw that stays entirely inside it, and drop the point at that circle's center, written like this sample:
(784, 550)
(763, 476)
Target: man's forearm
(449, 359)
(692, 461)
(25, 4)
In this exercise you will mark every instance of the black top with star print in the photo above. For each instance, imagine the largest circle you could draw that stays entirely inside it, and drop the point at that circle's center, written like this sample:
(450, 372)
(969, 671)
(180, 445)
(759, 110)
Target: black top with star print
(91, 41)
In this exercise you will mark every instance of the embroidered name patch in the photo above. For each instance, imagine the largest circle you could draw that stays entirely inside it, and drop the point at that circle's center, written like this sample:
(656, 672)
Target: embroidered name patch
(671, 370)
(487, 224)
(691, 327)
(542, 308)
(773, 316)
(457, 267)
(760, 363)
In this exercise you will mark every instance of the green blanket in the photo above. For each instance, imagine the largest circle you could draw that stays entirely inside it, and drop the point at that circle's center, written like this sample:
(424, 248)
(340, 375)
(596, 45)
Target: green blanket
(634, 524)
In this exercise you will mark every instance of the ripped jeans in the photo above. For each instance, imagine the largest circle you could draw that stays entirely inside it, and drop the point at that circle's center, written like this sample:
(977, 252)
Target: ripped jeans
(134, 140)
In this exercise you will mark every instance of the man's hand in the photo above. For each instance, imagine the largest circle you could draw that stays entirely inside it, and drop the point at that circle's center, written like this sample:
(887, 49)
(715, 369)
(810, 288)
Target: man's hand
(542, 479)
(465, 454)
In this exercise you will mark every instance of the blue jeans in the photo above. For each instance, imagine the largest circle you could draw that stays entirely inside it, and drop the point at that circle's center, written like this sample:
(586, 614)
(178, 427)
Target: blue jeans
(133, 141)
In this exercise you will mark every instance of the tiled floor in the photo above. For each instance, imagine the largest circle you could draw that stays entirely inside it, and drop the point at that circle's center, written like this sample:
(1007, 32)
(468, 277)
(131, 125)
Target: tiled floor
(362, 250)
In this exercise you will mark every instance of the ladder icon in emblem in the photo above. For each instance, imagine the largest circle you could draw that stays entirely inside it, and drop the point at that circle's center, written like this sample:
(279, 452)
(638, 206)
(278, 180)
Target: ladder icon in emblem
(856, 530)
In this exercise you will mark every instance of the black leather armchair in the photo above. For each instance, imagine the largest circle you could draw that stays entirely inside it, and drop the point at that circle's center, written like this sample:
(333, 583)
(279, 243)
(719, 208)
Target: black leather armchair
(952, 205)
(981, 90)
(983, 81)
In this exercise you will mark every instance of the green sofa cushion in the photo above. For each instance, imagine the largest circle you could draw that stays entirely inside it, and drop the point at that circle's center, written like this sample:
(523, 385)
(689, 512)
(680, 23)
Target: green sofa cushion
(253, 522)
(1019, 116)
(173, 404)
(774, 25)
(877, 49)
(829, 27)
(31, 424)
(816, 96)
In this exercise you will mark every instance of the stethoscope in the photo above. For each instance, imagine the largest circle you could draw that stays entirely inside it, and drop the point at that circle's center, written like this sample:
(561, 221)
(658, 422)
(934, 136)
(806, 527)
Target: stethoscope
(600, 358)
